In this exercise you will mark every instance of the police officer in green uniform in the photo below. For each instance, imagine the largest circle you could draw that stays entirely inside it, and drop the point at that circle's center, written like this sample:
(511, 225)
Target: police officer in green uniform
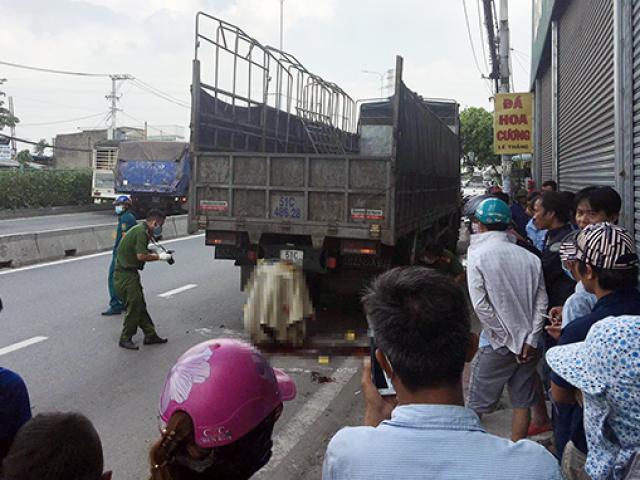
(126, 221)
(133, 253)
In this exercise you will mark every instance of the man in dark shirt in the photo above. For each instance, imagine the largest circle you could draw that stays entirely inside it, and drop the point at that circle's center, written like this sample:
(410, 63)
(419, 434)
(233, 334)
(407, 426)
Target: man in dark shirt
(552, 213)
(519, 212)
(608, 266)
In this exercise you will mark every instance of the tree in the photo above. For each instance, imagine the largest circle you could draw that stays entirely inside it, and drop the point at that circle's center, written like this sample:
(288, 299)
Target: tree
(476, 125)
(6, 118)
(24, 157)
(39, 147)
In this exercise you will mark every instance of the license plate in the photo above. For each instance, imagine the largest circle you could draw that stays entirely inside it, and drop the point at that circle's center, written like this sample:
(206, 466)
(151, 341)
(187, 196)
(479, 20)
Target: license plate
(287, 206)
(294, 256)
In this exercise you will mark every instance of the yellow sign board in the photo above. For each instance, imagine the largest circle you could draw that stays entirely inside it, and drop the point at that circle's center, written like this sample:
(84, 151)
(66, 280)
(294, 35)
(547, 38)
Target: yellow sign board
(513, 123)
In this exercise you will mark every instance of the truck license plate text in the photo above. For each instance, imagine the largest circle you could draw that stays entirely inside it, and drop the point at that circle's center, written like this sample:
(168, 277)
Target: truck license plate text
(294, 256)
(288, 206)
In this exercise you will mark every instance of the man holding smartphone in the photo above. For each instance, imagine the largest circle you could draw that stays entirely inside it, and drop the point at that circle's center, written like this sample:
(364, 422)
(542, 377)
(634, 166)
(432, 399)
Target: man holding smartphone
(421, 324)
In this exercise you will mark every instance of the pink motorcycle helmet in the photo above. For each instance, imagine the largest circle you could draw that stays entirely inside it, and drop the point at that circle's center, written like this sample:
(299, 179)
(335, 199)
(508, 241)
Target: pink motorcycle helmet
(227, 387)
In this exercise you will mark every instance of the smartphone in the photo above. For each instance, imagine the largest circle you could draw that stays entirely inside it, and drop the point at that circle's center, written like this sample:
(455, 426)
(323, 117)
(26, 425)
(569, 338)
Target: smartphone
(378, 375)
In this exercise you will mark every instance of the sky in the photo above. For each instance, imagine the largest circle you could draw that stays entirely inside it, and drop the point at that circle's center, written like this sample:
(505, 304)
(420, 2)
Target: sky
(153, 40)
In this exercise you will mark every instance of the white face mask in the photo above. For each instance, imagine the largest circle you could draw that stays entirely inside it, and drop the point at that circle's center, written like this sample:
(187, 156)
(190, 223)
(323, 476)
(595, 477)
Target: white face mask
(475, 227)
(119, 209)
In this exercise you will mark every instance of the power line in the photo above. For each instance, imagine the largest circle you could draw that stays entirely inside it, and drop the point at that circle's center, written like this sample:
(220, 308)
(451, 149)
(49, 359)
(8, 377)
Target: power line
(51, 70)
(521, 53)
(484, 52)
(160, 94)
(141, 122)
(160, 91)
(29, 142)
(473, 49)
(54, 122)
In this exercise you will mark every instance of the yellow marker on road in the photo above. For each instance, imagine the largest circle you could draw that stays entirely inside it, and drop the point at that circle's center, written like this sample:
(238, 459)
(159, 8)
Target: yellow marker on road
(350, 336)
(323, 360)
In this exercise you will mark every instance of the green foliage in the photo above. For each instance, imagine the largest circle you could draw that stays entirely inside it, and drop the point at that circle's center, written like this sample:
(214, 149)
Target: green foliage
(44, 188)
(38, 149)
(6, 119)
(23, 157)
(477, 137)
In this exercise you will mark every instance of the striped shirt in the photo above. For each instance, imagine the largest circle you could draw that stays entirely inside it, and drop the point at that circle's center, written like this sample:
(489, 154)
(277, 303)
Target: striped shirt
(436, 442)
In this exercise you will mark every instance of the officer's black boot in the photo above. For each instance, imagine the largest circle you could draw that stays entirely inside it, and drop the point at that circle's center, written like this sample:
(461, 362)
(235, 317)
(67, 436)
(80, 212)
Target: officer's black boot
(128, 344)
(154, 339)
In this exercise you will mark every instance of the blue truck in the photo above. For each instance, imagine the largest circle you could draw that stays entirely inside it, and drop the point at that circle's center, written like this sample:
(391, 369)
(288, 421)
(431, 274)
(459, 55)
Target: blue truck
(154, 174)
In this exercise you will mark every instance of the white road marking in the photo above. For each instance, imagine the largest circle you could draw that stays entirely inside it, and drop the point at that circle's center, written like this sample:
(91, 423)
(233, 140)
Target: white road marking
(85, 257)
(176, 291)
(289, 437)
(23, 344)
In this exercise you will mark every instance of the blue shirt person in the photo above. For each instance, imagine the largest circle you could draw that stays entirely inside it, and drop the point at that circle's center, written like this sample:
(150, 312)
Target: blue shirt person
(536, 236)
(15, 408)
(422, 329)
(126, 220)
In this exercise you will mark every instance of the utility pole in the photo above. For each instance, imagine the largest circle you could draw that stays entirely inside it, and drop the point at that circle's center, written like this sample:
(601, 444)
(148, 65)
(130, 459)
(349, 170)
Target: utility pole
(503, 30)
(281, 25)
(113, 97)
(14, 150)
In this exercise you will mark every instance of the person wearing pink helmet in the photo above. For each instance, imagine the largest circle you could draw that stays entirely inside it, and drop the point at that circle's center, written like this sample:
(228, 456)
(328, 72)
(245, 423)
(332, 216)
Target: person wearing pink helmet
(219, 405)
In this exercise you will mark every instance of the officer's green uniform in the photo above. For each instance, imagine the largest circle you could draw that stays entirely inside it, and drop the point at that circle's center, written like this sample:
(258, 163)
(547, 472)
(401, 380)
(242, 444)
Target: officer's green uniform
(127, 282)
(126, 221)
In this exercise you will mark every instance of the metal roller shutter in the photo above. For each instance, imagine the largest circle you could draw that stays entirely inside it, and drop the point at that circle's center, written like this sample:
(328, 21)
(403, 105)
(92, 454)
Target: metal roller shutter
(546, 143)
(636, 116)
(586, 115)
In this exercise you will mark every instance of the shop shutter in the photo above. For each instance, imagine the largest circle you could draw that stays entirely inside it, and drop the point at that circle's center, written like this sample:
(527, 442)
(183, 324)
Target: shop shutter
(545, 140)
(636, 115)
(586, 116)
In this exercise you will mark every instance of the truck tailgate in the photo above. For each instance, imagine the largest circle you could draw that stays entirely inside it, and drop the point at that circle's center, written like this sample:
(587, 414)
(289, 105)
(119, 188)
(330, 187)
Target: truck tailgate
(318, 195)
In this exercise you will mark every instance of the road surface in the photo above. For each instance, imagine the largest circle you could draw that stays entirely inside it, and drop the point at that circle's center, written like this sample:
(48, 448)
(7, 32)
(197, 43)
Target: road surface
(53, 335)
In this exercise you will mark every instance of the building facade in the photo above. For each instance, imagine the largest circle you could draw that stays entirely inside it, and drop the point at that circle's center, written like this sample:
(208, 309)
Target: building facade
(586, 80)
(74, 150)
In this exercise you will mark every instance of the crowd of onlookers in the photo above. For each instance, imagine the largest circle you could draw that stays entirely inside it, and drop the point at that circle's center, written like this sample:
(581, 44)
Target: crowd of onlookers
(553, 281)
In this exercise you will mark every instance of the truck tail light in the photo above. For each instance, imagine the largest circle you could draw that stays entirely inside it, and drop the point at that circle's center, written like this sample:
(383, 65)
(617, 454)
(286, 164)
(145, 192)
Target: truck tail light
(332, 262)
(252, 255)
(358, 247)
(183, 199)
(221, 238)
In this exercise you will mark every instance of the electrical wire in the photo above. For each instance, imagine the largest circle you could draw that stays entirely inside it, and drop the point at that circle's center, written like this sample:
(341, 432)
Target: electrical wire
(160, 94)
(142, 123)
(481, 30)
(160, 91)
(473, 48)
(29, 142)
(51, 70)
(55, 122)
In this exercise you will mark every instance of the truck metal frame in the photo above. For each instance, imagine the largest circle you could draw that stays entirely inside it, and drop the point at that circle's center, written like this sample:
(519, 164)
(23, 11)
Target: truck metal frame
(279, 171)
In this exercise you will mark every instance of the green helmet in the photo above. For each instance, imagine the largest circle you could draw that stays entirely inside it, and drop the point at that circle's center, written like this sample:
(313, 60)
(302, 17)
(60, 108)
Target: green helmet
(493, 211)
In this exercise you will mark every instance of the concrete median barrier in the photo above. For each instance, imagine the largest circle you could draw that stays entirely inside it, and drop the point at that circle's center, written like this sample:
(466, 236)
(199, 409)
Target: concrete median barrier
(26, 249)
(18, 250)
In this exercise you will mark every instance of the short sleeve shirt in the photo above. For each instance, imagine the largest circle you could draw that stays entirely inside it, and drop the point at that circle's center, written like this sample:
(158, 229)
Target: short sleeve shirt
(135, 242)
(126, 221)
